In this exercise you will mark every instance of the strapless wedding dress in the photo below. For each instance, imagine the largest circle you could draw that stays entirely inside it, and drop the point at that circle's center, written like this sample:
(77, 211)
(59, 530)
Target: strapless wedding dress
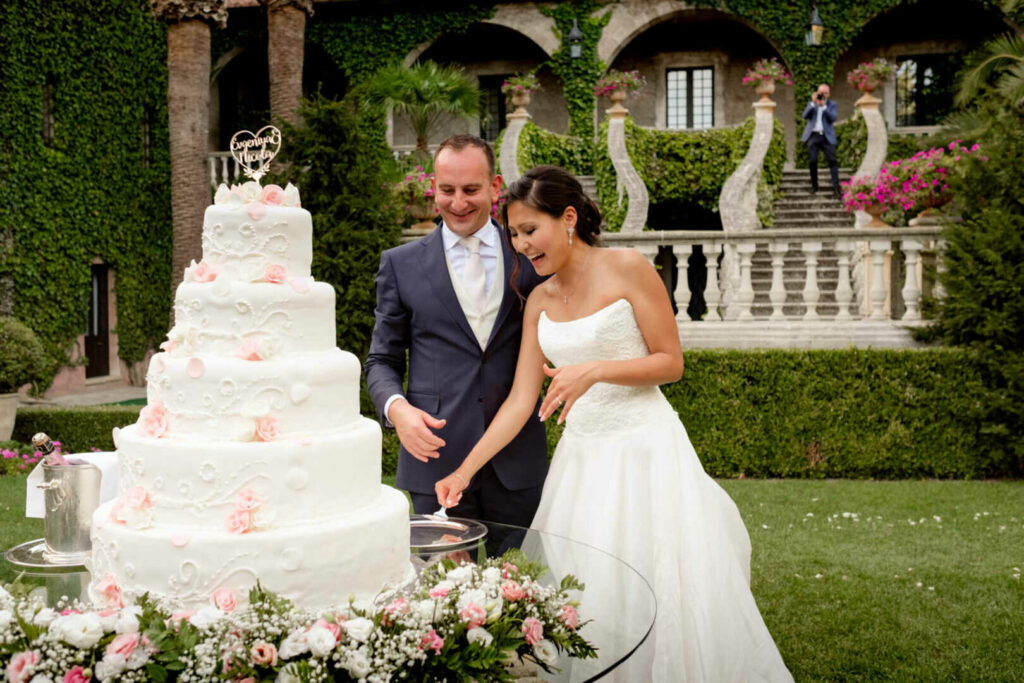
(626, 480)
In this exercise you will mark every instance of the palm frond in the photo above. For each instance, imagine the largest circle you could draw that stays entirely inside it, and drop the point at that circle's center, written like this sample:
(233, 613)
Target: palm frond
(997, 55)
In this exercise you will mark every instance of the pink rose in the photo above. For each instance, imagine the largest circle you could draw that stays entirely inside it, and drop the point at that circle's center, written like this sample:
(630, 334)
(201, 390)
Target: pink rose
(432, 641)
(273, 194)
(76, 675)
(21, 666)
(123, 644)
(266, 429)
(569, 617)
(255, 210)
(138, 498)
(512, 591)
(204, 272)
(333, 628)
(224, 599)
(153, 420)
(240, 522)
(263, 654)
(439, 592)
(247, 500)
(474, 615)
(533, 630)
(108, 588)
(250, 349)
(275, 273)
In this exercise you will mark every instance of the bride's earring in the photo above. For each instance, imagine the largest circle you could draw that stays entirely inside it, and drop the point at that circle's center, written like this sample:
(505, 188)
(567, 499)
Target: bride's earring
(571, 231)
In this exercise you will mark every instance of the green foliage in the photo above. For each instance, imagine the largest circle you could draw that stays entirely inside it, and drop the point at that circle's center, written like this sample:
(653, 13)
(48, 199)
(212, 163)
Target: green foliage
(338, 166)
(22, 357)
(77, 428)
(682, 165)
(538, 146)
(89, 195)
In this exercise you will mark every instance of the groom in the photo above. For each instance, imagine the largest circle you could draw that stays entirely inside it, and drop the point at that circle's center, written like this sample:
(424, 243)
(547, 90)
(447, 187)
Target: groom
(445, 300)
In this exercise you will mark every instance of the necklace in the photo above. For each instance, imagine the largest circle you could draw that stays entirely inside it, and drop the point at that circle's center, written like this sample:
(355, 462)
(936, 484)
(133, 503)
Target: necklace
(565, 297)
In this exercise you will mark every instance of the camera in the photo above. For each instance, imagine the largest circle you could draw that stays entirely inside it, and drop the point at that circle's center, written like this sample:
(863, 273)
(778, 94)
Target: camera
(821, 96)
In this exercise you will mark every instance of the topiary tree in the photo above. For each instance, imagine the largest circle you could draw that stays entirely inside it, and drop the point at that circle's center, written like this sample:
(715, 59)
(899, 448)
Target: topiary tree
(22, 357)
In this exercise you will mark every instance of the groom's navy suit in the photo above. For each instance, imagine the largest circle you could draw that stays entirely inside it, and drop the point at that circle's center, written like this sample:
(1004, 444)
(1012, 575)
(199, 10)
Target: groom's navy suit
(451, 377)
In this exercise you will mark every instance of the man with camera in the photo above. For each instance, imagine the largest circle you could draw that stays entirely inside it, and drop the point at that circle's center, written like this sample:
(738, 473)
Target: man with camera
(820, 134)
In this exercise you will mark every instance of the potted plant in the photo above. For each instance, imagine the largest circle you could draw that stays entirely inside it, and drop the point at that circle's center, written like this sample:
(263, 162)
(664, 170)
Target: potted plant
(615, 84)
(22, 361)
(764, 75)
(868, 76)
(518, 88)
(416, 194)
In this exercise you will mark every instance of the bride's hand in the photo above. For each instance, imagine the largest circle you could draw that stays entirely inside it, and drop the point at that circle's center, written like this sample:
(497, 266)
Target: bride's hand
(568, 383)
(449, 490)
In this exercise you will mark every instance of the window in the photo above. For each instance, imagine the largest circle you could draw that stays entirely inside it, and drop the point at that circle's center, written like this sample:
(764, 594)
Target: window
(924, 88)
(690, 97)
(48, 119)
(147, 137)
(492, 109)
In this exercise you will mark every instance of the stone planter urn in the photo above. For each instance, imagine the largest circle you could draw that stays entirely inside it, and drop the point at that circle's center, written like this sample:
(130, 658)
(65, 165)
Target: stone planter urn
(8, 409)
(875, 211)
(521, 100)
(765, 89)
(424, 213)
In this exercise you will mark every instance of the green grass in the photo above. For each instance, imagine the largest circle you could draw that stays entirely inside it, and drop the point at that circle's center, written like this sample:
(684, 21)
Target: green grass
(839, 593)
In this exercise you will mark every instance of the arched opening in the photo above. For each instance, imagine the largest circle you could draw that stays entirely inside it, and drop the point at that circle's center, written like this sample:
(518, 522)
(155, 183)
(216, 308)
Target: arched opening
(320, 75)
(240, 95)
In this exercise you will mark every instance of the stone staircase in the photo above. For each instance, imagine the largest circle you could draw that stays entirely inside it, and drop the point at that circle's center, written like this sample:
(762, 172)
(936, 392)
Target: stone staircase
(797, 209)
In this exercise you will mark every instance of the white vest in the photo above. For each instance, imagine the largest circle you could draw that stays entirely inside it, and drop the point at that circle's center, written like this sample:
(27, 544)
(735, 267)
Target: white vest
(481, 322)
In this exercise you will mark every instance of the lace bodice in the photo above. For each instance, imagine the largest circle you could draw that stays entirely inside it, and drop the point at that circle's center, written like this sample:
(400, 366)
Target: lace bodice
(610, 333)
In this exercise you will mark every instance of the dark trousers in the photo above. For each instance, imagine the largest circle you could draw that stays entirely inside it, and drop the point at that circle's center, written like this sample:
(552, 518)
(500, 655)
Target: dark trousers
(815, 144)
(486, 499)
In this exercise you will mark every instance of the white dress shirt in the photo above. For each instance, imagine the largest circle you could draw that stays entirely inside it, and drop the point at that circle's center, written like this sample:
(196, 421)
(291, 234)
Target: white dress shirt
(818, 125)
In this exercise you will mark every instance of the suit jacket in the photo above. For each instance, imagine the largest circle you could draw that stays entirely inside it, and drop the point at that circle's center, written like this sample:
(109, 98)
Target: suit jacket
(828, 119)
(450, 376)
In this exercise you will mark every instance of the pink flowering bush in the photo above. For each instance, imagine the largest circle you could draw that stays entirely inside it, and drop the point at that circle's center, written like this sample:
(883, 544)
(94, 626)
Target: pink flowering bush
(619, 80)
(868, 76)
(14, 462)
(767, 71)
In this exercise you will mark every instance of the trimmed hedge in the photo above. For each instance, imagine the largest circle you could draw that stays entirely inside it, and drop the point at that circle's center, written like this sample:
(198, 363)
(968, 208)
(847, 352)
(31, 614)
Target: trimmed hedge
(803, 414)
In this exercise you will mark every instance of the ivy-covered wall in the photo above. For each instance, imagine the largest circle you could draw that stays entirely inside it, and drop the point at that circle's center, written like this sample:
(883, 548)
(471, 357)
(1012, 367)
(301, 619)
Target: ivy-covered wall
(90, 194)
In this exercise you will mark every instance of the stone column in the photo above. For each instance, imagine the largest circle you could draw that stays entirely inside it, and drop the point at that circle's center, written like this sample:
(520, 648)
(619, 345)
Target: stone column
(188, 101)
(636, 190)
(286, 31)
(508, 155)
(737, 204)
(874, 156)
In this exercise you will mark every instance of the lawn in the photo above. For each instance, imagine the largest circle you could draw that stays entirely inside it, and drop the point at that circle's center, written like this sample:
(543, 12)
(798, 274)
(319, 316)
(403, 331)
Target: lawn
(857, 580)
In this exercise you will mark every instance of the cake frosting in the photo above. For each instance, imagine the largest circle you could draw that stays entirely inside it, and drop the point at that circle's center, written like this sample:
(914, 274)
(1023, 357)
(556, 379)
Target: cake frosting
(250, 461)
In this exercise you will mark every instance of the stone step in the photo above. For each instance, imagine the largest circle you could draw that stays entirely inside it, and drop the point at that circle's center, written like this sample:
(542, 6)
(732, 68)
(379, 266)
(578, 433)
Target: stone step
(805, 173)
(832, 212)
(811, 202)
(797, 223)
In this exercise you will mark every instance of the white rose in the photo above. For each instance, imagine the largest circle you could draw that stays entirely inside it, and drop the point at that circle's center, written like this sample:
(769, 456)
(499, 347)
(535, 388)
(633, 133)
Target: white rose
(79, 630)
(475, 596)
(545, 651)
(460, 574)
(425, 610)
(44, 617)
(293, 646)
(358, 664)
(288, 675)
(251, 191)
(291, 195)
(206, 617)
(5, 618)
(359, 628)
(128, 619)
(222, 195)
(321, 641)
(492, 575)
(110, 667)
(479, 635)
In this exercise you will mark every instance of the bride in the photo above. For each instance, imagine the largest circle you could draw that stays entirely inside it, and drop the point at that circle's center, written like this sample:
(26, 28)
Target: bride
(624, 477)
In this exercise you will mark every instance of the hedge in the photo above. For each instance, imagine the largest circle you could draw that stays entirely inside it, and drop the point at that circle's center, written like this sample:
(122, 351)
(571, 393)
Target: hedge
(78, 428)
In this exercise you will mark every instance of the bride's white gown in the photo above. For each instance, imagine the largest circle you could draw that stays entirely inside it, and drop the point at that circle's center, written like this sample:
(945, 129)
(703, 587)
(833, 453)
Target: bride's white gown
(626, 479)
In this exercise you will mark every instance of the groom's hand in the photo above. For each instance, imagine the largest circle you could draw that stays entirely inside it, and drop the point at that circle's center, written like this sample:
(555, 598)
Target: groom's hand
(413, 427)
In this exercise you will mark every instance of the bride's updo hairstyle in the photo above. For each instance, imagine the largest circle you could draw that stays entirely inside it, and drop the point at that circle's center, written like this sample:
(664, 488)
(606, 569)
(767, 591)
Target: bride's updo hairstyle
(551, 190)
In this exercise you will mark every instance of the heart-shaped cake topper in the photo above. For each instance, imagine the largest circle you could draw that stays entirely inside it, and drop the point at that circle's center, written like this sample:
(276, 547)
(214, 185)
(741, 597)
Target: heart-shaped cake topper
(255, 152)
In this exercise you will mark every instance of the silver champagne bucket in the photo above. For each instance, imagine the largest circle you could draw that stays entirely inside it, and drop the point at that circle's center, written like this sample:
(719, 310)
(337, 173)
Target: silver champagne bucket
(72, 494)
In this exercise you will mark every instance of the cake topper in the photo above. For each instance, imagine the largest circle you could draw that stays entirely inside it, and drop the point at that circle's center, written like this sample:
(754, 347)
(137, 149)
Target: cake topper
(255, 152)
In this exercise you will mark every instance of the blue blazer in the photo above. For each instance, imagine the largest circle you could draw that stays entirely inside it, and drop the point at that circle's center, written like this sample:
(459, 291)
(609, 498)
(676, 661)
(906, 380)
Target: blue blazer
(828, 119)
(450, 376)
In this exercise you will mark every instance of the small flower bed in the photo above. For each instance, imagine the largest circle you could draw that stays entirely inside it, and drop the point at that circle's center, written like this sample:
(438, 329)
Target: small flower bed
(868, 76)
(767, 71)
(415, 188)
(619, 80)
(458, 621)
(526, 83)
(13, 461)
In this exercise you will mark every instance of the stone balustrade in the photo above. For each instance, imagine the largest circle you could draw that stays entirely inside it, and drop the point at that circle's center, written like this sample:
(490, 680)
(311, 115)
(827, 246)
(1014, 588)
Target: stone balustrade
(223, 168)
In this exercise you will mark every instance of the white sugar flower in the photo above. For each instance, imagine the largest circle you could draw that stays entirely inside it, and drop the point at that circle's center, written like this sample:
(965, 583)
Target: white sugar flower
(460, 574)
(294, 645)
(357, 664)
(491, 575)
(359, 628)
(545, 651)
(291, 195)
(110, 667)
(44, 617)
(206, 617)
(80, 630)
(479, 635)
(321, 641)
(223, 195)
(251, 191)
(136, 518)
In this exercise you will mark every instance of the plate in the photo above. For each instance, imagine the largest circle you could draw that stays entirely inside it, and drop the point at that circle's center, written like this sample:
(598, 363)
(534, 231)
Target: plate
(34, 555)
(434, 534)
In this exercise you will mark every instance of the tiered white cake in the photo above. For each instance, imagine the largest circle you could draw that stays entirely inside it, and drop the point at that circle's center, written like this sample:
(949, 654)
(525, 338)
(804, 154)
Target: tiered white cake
(251, 460)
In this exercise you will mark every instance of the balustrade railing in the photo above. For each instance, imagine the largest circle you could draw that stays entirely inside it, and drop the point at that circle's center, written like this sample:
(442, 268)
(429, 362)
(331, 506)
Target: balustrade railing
(222, 168)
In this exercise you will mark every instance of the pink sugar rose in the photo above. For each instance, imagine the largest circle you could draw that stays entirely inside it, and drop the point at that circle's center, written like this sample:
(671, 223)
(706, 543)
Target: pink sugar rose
(115, 512)
(474, 615)
(247, 500)
(138, 498)
(124, 644)
(432, 641)
(533, 630)
(153, 420)
(275, 273)
(108, 588)
(240, 522)
(75, 675)
(273, 194)
(224, 599)
(250, 349)
(569, 617)
(255, 210)
(512, 591)
(266, 429)
(263, 654)
(204, 272)
(21, 666)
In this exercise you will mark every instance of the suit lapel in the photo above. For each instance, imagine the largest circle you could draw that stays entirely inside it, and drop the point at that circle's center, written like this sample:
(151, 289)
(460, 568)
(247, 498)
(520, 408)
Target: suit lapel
(435, 271)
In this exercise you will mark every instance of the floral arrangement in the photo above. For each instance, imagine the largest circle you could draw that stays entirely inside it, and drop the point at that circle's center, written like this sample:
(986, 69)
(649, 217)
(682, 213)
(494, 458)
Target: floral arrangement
(869, 75)
(767, 71)
(920, 180)
(525, 83)
(619, 80)
(460, 621)
(416, 188)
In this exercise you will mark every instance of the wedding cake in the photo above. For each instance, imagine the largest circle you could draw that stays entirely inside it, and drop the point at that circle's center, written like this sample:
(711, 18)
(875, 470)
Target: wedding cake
(250, 461)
